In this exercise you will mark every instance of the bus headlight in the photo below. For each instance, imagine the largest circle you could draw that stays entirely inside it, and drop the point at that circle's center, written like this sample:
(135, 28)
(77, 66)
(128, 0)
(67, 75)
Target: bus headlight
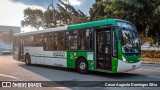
(139, 59)
(123, 59)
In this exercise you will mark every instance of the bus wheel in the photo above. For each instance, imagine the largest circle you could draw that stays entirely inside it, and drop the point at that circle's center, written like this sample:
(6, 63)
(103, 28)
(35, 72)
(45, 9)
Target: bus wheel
(28, 59)
(82, 65)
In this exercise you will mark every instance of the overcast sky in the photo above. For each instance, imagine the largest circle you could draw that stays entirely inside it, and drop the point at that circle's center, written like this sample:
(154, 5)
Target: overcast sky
(11, 11)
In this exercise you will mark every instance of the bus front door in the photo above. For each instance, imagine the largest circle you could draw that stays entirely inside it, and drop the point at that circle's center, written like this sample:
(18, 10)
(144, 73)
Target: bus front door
(103, 51)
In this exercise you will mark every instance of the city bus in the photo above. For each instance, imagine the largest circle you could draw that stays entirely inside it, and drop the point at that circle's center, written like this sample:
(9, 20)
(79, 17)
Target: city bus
(110, 45)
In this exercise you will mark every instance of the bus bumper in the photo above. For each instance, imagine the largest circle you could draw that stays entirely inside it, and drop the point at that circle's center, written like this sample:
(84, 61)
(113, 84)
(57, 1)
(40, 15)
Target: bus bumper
(124, 66)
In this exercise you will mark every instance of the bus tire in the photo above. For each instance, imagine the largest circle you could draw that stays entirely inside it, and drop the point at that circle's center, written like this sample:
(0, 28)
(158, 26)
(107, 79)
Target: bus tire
(27, 59)
(82, 65)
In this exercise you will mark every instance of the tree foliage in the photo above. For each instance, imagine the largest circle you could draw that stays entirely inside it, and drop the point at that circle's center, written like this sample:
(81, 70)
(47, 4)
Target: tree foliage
(64, 14)
(145, 14)
(33, 18)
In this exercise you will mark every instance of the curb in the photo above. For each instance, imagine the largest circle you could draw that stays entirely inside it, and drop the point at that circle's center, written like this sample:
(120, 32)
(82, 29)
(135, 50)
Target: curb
(144, 62)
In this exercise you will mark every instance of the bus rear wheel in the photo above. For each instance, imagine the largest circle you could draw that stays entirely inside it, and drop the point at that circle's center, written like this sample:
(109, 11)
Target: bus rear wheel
(28, 59)
(82, 66)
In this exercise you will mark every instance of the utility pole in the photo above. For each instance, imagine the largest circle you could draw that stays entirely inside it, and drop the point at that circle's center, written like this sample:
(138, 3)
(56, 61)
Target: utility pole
(53, 11)
(67, 3)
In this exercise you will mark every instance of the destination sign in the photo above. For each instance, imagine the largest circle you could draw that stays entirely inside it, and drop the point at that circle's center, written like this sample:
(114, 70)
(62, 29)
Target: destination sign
(124, 24)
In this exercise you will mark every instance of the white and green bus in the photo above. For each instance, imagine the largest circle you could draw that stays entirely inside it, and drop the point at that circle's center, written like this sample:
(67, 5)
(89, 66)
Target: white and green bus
(110, 45)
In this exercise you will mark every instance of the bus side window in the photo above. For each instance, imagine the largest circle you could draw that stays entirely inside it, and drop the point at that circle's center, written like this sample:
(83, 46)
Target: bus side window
(54, 44)
(47, 42)
(67, 40)
(25, 41)
(28, 40)
(52, 41)
(60, 40)
(71, 40)
(57, 40)
(38, 40)
(115, 53)
(85, 39)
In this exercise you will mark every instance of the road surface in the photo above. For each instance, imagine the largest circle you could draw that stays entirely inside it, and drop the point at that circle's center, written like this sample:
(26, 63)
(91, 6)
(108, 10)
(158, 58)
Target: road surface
(13, 70)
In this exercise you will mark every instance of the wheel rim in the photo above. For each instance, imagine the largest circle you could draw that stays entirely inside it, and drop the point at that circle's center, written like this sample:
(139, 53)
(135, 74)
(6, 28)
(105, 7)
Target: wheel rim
(82, 65)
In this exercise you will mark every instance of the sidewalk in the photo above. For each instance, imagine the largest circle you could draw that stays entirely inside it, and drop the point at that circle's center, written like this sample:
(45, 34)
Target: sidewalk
(147, 62)
(150, 48)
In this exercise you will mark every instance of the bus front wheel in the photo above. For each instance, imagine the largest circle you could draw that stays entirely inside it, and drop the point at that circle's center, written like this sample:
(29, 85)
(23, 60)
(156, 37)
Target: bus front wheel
(27, 59)
(82, 65)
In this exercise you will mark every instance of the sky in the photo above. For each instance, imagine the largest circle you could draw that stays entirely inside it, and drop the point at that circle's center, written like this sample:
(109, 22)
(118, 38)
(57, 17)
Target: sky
(11, 11)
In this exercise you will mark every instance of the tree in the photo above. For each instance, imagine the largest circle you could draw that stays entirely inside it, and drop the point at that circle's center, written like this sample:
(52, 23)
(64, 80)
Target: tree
(143, 13)
(65, 14)
(69, 15)
(33, 18)
(97, 11)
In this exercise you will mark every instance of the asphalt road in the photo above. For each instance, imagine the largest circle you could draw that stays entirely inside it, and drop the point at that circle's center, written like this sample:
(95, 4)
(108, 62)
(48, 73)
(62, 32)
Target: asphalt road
(13, 70)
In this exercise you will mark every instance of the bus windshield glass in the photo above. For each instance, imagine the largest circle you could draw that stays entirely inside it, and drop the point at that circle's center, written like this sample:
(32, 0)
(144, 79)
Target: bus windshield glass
(130, 41)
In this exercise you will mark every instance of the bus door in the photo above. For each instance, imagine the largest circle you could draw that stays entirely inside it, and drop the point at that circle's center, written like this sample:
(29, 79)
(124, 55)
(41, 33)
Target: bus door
(103, 49)
(21, 49)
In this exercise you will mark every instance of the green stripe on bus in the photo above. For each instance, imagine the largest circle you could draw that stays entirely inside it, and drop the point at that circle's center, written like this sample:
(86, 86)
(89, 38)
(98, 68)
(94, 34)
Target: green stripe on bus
(92, 24)
(114, 64)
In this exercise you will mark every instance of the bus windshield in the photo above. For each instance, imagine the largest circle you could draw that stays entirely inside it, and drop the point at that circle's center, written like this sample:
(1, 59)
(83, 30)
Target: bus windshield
(130, 41)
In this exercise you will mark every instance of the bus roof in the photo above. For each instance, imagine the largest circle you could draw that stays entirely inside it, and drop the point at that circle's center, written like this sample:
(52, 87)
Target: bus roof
(92, 24)
(42, 31)
(74, 26)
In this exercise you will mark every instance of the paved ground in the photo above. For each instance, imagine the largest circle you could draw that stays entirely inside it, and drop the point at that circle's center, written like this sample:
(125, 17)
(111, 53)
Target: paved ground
(13, 70)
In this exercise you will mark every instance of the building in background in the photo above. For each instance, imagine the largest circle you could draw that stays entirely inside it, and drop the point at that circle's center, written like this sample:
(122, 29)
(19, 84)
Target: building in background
(6, 38)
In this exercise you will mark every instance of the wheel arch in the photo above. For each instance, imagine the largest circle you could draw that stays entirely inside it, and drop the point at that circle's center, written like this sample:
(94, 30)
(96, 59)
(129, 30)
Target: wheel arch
(79, 58)
(26, 55)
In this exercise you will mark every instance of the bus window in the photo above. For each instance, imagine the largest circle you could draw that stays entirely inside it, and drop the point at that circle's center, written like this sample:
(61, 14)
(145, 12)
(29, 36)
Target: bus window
(60, 40)
(71, 40)
(47, 42)
(114, 45)
(52, 41)
(66, 40)
(85, 39)
(57, 41)
(28, 41)
(38, 40)
(25, 41)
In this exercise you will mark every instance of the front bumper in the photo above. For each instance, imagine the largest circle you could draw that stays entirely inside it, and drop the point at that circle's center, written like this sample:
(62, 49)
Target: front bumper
(124, 66)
